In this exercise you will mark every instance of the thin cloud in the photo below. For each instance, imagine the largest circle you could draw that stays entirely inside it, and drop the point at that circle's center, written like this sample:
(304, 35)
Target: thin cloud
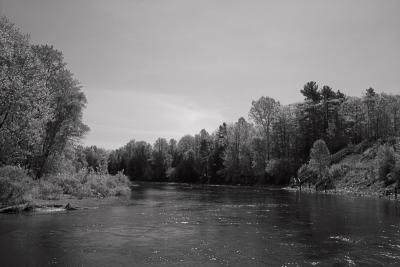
(144, 116)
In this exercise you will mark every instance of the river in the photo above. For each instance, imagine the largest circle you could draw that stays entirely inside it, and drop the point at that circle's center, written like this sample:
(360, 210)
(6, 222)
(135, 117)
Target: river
(184, 225)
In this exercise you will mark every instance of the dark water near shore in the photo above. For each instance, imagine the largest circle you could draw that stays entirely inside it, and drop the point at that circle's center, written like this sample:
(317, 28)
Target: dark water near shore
(183, 225)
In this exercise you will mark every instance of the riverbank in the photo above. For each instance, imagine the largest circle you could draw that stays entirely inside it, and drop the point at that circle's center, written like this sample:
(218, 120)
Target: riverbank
(19, 189)
(64, 203)
(374, 171)
(344, 192)
(88, 202)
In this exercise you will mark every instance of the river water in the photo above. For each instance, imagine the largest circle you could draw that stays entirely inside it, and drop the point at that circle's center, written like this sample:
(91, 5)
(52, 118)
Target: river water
(184, 225)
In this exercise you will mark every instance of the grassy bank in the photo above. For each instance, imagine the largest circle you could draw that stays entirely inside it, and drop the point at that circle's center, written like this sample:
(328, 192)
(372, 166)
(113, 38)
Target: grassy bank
(374, 172)
(18, 187)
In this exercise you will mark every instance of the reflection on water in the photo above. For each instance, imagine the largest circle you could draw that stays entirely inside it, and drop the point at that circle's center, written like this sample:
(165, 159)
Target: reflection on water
(168, 224)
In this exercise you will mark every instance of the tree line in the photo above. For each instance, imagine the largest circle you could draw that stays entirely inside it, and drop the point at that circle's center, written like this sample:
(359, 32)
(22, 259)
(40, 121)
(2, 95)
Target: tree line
(270, 146)
(41, 107)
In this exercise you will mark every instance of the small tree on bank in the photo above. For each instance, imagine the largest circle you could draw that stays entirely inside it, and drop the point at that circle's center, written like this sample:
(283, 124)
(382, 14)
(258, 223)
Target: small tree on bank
(320, 159)
(385, 161)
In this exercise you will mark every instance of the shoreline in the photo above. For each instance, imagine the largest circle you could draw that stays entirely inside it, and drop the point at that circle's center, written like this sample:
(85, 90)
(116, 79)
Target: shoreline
(62, 204)
(344, 192)
(70, 203)
(75, 201)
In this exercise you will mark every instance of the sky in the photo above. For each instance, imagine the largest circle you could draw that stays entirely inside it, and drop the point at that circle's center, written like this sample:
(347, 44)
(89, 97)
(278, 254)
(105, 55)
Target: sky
(166, 68)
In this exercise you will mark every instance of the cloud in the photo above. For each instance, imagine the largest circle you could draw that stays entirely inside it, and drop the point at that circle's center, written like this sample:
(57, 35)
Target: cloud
(117, 116)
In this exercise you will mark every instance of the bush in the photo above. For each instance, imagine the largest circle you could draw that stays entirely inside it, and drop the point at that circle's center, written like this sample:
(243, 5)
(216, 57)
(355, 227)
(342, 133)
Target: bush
(320, 158)
(122, 191)
(84, 191)
(123, 184)
(385, 161)
(394, 175)
(185, 172)
(122, 179)
(98, 185)
(91, 184)
(11, 192)
(48, 190)
(111, 183)
(307, 174)
(280, 170)
(14, 185)
(337, 171)
(70, 184)
(14, 173)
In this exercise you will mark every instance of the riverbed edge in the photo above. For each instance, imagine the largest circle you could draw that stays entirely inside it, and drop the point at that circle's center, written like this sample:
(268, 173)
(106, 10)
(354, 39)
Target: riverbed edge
(342, 192)
(63, 203)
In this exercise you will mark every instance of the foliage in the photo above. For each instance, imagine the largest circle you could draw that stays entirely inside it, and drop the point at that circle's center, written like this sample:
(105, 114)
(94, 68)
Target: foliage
(337, 171)
(238, 155)
(160, 159)
(90, 184)
(47, 190)
(280, 170)
(17, 187)
(385, 161)
(310, 92)
(96, 159)
(15, 173)
(24, 105)
(185, 171)
(394, 175)
(281, 139)
(41, 107)
(263, 113)
(66, 106)
(319, 158)
(306, 174)
(41, 103)
(14, 185)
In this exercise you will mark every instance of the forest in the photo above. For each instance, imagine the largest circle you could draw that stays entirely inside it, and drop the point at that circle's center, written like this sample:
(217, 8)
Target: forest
(41, 129)
(267, 148)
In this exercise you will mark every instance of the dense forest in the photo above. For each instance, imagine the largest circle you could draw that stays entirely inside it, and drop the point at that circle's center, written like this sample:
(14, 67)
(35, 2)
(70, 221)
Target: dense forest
(269, 147)
(41, 107)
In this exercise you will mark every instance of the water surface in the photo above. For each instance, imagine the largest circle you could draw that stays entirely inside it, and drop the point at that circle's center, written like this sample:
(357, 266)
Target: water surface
(184, 225)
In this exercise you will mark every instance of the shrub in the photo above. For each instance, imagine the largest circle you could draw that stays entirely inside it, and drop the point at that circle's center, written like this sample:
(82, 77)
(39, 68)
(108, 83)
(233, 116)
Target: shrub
(14, 173)
(122, 191)
(48, 190)
(305, 173)
(385, 161)
(84, 191)
(122, 184)
(395, 174)
(186, 172)
(98, 185)
(11, 192)
(14, 185)
(70, 184)
(91, 184)
(280, 170)
(337, 171)
(111, 183)
(319, 158)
